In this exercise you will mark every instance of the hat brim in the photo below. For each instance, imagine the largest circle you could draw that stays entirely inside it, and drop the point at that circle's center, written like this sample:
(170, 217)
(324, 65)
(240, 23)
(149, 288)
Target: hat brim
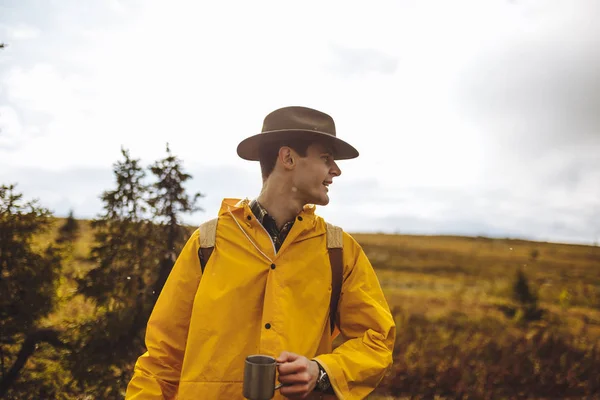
(248, 149)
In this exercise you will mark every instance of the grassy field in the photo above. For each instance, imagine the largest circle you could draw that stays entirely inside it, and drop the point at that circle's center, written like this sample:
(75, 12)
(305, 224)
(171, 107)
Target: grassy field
(461, 334)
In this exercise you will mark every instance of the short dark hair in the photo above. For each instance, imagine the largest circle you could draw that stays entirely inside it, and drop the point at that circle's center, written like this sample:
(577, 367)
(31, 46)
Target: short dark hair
(268, 153)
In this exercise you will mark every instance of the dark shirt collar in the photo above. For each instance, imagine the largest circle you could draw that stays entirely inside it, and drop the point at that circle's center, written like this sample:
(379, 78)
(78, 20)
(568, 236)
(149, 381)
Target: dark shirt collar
(268, 222)
(258, 210)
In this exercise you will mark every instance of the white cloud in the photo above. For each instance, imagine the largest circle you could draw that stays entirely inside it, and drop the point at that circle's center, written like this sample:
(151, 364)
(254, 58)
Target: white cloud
(44, 90)
(10, 127)
(394, 75)
(117, 7)
(23, 32)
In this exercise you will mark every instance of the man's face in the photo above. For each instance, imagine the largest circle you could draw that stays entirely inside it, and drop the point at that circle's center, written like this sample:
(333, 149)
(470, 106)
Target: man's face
(314, 173)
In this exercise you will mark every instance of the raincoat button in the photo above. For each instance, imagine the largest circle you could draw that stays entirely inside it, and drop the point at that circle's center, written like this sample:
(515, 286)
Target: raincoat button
(249, 217)
(268, 326)
(273, 266)
(299, 218)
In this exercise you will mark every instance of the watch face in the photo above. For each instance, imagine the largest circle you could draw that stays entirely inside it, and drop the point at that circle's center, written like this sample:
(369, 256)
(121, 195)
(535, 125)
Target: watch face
(323, 382)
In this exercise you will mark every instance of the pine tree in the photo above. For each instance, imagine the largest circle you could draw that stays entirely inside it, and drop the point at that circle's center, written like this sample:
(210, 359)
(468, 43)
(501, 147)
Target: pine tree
(525, 298)
(123, 247)
(28, 280)
(69, 231)
(136, 240)
(125, 257)
(168, 201)
(521, 291)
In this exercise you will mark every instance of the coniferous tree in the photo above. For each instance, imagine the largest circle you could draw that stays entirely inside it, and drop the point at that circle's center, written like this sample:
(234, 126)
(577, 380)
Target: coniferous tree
(168, 201)
(525, 298)
(125, 257)
(136, 240)
(124, 236)
(69, 231)
(28, 279)
(521, 291)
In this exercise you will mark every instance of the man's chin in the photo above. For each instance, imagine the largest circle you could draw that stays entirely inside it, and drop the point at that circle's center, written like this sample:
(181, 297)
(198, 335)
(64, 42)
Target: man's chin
(323, 201)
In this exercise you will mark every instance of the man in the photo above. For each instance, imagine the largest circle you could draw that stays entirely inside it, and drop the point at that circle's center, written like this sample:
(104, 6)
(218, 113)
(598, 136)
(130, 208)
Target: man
(267, 286)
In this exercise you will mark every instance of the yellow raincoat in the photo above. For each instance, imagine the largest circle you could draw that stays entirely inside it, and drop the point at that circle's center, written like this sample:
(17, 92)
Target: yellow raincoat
(203, 327)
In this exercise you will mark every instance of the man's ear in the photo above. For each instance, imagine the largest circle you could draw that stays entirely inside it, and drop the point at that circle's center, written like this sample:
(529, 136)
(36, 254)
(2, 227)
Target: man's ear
(287, 156)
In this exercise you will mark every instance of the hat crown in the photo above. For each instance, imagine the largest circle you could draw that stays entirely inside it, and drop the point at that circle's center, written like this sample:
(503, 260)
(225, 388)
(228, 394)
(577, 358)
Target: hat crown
(299, 118)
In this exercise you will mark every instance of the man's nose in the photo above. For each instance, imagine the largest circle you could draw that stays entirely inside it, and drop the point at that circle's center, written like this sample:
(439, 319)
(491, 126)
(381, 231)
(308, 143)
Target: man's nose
(335, 170)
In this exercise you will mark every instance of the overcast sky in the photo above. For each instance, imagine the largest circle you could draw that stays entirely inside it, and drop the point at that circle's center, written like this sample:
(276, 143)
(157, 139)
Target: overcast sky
(471, 117)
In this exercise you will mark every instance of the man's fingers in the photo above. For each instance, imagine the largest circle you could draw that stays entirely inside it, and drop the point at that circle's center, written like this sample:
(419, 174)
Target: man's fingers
(295, 375)
(297, 378)
(295, 391)
(286, 356)
(298, 365)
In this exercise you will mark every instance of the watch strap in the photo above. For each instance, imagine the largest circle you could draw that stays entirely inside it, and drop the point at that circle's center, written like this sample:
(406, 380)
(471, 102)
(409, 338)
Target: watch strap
(323, 383)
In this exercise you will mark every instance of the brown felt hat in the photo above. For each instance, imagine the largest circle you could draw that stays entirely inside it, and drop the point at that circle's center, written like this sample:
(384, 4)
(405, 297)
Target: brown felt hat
(296, 123)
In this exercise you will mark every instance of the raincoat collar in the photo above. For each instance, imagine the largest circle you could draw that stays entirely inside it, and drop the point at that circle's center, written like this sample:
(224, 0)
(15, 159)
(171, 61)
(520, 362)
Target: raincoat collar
(307, 224)
(241, 207)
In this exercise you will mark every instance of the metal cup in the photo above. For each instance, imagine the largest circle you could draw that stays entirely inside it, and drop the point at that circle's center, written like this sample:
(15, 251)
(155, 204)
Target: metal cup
(259, 377)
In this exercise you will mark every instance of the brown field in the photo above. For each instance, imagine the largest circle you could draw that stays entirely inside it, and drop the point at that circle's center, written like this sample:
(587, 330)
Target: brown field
(460, 333)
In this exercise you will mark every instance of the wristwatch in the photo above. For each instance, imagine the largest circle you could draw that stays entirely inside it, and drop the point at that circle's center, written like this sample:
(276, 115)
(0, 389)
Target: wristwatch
(323, 383)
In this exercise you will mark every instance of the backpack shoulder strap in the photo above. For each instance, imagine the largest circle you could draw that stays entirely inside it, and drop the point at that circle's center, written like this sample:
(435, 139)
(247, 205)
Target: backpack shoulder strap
(208, 234)
(335, 240)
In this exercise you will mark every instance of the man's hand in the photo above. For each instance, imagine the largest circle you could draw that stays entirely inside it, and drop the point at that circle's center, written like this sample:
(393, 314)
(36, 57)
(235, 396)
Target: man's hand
(298, 375)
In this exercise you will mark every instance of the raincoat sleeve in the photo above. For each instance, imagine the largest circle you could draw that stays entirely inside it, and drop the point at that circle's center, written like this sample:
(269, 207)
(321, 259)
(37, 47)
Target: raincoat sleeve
(157, 372)
(356, 367)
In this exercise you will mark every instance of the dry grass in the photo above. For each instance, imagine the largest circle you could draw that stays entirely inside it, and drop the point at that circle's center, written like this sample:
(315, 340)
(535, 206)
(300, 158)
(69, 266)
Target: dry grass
(450, 296)
(71, 307)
